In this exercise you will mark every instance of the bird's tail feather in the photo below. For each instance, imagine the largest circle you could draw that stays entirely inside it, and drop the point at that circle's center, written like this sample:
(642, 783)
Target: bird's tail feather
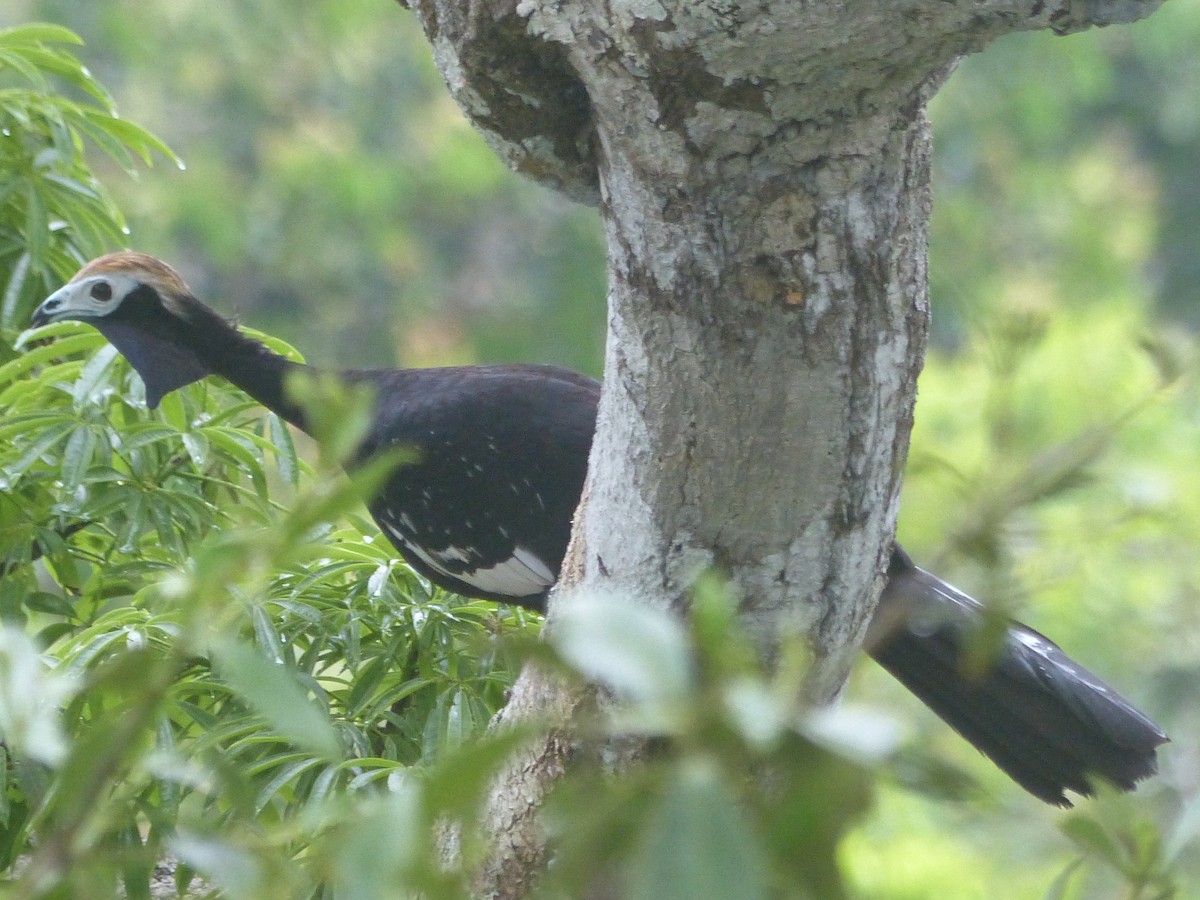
(1049, 723)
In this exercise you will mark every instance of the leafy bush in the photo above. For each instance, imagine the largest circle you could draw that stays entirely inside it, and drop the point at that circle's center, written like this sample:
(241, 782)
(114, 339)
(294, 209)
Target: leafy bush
(230, 664)
(222, 665)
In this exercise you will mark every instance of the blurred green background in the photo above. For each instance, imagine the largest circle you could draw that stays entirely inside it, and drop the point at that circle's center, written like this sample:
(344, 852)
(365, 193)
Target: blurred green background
(332, 188)
(334, 196)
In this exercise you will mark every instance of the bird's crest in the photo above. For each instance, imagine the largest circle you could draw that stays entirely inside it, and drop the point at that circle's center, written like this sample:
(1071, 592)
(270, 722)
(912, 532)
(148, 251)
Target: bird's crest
(147, 269)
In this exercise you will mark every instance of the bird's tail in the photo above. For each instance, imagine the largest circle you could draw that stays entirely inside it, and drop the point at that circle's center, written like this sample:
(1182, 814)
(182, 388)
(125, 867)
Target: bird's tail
(1049, 723)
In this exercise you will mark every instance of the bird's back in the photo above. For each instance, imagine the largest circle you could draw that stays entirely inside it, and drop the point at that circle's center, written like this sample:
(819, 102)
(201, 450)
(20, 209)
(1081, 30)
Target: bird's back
(499, 456)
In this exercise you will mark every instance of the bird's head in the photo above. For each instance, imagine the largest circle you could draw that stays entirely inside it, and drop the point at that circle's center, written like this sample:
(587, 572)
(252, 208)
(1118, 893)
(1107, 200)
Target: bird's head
(119, 286)
(144, 309)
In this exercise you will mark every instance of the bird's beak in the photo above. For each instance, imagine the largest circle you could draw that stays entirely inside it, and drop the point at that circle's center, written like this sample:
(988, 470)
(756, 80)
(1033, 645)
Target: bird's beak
(53, 308)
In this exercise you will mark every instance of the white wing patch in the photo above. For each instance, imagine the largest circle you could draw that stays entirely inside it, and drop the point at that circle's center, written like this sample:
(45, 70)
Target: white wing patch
(521, 575)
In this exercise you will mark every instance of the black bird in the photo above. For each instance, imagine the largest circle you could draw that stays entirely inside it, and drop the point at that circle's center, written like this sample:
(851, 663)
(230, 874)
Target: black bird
(485, 510)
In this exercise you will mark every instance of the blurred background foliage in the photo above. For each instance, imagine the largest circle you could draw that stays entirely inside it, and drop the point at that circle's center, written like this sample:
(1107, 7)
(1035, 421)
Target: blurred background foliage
(331, 188)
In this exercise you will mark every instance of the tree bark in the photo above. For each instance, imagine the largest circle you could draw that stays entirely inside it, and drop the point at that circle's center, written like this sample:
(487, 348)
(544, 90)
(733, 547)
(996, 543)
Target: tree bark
(763, 177)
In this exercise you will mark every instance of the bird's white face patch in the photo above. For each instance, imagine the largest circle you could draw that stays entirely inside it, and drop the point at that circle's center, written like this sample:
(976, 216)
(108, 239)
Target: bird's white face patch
(90, 297)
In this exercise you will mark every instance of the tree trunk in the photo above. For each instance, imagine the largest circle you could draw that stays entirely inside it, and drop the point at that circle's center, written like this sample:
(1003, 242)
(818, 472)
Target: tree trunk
(763, 176)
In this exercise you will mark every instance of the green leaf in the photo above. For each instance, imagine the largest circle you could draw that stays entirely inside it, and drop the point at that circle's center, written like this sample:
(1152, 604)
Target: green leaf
(233, 444)
(136, 138)
(71, 339)
(286, 459)
(1091, 836)
(1184, 831)
(460, 779)
(222, 861)
(197, 448)
(268, 636)
(32, 33)
(276, 696)
(37, 227)
(33, 452)
(640, 653)
(77, 456)
(287, 774)
(386, 838)
(1062, 881)
(94, 376)
(12, 291)
(47, 602)
(30, 693)
(454, 721)
(339, 413)
(697, 844)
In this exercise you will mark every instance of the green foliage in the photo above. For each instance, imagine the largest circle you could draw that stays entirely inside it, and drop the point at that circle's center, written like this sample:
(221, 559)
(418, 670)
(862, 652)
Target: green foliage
(333, 188)
(54, 215)
(1052, 474)
(277, 704)
(1065, 174)
(187, 669)
(172, 580)
(236, 678)
(745, 792)
(280, 706)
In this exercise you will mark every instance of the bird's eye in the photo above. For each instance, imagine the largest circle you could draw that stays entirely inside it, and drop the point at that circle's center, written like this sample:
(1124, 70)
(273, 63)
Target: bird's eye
(102, 291)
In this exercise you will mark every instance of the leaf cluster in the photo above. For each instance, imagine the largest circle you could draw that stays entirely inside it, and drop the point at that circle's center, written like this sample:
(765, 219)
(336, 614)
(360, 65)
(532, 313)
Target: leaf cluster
(187, 669)
(54, 214)
(1052, 476)
(740, 790)
(235, 674)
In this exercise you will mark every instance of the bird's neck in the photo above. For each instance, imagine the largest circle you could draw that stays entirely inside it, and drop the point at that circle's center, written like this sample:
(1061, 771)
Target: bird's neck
(259, 371)
(262, 374)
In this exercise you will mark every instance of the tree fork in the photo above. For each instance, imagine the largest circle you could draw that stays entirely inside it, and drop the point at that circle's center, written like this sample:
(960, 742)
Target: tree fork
(763, 178)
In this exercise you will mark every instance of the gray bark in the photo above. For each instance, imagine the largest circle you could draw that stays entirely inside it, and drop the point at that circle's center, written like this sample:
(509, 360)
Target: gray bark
(763, 177)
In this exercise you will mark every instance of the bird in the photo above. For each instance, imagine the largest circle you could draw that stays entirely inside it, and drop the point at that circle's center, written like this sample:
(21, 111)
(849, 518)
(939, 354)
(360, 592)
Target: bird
(484, 509)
